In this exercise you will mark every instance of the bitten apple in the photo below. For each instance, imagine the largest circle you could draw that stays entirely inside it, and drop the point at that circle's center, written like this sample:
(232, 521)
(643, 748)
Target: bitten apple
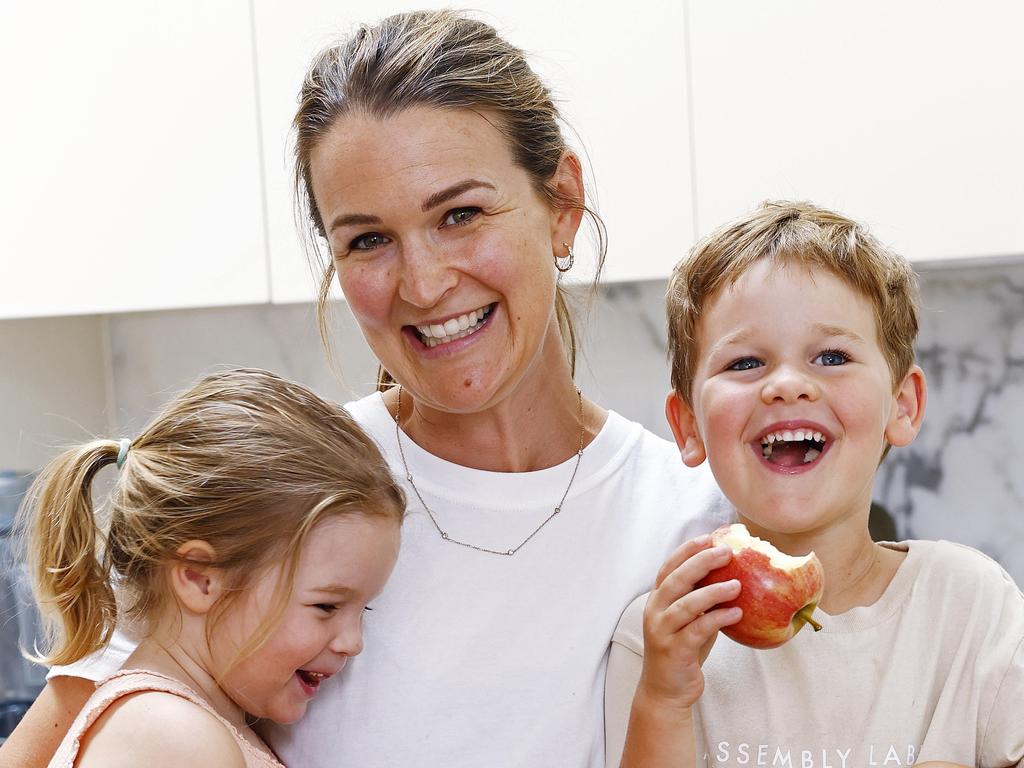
(778, 592)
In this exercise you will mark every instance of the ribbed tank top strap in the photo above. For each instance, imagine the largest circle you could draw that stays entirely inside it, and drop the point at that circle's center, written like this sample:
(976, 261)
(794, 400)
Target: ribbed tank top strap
(131, 681)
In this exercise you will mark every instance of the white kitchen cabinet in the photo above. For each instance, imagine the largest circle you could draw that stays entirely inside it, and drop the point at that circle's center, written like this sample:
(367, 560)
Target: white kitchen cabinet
(619, 76)
(906, 115)
(130, 156)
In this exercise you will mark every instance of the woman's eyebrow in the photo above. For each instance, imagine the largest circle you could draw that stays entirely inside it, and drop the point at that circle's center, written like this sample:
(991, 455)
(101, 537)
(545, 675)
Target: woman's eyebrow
(348, 219)
(454, 190)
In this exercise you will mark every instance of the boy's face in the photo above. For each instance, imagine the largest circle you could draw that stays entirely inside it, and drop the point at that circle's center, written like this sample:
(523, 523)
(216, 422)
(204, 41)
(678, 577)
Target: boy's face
(785, 351)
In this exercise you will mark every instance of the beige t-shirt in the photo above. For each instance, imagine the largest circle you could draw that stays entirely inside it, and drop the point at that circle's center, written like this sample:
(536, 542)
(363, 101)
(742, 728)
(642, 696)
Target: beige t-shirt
(934, 670)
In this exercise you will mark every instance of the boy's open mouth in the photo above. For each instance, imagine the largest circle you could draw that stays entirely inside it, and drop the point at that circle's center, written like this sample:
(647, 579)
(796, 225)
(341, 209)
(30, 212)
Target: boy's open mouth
(792, 448)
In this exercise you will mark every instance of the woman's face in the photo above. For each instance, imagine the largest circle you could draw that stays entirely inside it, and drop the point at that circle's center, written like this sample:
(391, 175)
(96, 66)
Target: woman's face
(444, 250)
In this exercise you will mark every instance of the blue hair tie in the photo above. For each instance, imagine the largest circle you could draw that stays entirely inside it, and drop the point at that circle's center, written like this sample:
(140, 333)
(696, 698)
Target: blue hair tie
(122, 454)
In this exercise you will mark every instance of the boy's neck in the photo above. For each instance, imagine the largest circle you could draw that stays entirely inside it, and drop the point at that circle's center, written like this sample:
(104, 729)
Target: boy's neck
(857, 570)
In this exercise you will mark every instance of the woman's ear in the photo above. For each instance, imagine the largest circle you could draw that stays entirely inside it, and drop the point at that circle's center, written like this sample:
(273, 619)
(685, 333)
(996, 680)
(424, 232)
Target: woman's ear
(194, 581)
(567, 182)
(908, 411)
(684, 428)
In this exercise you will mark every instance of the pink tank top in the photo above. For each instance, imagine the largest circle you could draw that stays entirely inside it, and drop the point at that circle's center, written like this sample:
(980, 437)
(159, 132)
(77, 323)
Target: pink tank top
(135, 681)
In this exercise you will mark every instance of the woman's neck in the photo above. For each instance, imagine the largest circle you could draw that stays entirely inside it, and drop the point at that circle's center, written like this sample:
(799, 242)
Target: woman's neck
(536, 426)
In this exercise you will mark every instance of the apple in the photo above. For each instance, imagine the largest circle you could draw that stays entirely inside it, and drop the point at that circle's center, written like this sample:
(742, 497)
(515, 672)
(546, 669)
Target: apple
(778, 592)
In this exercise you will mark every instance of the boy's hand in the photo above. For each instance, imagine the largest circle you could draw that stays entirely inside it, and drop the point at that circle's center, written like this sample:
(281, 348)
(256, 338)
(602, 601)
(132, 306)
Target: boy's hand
(680, 624)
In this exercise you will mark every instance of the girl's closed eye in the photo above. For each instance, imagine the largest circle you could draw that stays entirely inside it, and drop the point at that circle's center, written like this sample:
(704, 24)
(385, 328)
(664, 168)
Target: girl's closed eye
(460, 216)
(831, 357)
(326, 607)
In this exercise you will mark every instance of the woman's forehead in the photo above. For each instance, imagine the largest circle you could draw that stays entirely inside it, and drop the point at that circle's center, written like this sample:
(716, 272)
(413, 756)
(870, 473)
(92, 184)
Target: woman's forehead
(413, 141)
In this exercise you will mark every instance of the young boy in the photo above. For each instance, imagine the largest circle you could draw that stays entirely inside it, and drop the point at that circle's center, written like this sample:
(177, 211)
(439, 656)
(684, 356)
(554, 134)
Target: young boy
(795, 319)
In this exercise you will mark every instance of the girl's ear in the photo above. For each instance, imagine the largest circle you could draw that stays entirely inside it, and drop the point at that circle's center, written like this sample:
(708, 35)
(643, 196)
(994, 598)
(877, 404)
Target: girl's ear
(908, 412)
(194, 581)
(684, 428)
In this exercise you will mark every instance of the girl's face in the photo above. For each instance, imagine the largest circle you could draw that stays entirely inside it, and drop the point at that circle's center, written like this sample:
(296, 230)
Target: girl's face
(342, 565)
(444, 250)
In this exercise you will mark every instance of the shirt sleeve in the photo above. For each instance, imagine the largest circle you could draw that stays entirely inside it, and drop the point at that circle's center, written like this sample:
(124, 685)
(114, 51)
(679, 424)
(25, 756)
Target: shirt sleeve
(1004, 734)
(625, 662)
(101, 664)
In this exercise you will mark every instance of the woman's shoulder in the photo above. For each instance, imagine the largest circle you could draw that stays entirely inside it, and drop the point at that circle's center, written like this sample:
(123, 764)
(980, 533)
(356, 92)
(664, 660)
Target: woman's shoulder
(146, 727)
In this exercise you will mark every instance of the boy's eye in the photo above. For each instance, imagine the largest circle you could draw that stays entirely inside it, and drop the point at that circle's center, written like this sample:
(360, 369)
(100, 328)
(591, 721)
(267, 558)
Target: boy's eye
(744, 364)
(368, 242)
(832, 357)
(460, 215)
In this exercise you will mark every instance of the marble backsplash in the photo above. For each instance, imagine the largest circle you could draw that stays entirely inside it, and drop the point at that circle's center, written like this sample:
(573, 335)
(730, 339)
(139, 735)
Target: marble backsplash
(961, 479)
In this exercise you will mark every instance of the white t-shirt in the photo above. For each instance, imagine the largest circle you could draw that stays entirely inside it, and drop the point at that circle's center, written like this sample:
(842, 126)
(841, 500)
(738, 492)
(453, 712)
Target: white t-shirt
(934, 670)
(475, 659)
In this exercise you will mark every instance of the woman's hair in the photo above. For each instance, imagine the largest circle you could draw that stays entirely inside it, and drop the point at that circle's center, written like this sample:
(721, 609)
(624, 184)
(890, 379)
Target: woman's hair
(244, 460)
(438, 59)
(807, 236)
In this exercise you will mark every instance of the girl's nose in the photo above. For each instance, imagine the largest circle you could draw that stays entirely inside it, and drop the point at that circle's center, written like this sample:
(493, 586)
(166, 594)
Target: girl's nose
(426, 274)
(786, 384)
(348, 641)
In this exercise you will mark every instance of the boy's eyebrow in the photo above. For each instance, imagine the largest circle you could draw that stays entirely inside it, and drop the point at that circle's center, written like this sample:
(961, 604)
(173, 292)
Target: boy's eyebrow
(837, 330)
(736, 337)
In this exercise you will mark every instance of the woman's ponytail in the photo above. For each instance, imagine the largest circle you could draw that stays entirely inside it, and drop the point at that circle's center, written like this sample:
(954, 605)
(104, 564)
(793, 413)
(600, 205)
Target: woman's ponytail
(70, 580)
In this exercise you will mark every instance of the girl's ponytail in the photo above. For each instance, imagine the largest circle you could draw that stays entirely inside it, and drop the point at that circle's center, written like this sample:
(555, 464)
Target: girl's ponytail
(70, 578)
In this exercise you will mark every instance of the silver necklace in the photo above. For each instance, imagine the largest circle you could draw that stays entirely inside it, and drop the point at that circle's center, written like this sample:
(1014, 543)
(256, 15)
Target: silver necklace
(442, 532)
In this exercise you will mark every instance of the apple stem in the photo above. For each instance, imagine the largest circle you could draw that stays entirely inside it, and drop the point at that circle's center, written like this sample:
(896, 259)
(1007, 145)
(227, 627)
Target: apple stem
(806, 614)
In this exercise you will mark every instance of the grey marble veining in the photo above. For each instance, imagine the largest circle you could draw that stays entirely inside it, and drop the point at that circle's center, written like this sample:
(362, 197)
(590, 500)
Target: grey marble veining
(961, 479)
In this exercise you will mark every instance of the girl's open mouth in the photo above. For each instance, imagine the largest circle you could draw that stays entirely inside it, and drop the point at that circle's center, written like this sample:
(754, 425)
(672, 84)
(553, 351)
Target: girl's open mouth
(310, 681)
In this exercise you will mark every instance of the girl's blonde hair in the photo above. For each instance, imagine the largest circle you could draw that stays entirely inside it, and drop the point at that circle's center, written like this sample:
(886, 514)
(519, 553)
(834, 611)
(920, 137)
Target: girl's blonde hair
(244, 460)
(444, 60)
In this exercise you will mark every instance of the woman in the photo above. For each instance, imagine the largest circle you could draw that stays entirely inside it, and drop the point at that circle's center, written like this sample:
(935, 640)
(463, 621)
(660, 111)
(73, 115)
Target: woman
(430, 160)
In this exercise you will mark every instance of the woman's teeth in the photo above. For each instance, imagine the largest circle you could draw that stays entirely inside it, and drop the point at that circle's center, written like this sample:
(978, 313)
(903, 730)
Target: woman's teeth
(815, 443)
(455, 328)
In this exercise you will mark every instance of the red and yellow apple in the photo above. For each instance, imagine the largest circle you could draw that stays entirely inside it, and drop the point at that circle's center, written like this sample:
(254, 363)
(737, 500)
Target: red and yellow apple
(778, 592)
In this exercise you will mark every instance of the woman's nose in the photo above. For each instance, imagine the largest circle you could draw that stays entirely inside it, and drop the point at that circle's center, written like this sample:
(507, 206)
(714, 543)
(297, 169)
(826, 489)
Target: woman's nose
(787, 384)
(426, 274)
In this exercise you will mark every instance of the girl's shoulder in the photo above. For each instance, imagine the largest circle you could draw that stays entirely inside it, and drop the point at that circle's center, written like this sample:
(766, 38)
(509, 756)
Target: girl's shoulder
(157, 728)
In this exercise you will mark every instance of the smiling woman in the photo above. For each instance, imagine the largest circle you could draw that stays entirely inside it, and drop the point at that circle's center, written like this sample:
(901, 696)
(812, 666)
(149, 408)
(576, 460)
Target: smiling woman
(441, 194)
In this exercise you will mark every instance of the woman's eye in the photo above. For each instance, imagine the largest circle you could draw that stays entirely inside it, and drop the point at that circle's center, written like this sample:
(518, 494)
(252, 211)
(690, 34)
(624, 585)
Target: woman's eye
(745, 364)
(460, 216)
(832, 357)
(368, 242)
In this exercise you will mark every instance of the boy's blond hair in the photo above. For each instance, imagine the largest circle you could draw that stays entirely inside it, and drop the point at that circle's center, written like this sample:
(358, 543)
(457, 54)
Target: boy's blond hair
(804, 235)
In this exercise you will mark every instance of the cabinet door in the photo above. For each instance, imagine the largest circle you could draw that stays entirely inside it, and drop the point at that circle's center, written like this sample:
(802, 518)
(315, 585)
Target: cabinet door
(906, 115)
(618, 76)
(130, 156)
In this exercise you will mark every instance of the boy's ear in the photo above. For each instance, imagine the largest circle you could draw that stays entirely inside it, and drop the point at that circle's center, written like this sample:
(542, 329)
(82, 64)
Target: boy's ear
(684, 429)
(905, 420)
(194, 581)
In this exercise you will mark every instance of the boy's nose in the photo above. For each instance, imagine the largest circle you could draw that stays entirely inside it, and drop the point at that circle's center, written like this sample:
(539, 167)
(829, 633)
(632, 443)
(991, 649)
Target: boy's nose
(426, 274)
(788, 385)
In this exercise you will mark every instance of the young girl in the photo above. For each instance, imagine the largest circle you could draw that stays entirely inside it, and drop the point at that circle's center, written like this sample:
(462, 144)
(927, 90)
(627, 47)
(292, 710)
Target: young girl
(250, 525)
